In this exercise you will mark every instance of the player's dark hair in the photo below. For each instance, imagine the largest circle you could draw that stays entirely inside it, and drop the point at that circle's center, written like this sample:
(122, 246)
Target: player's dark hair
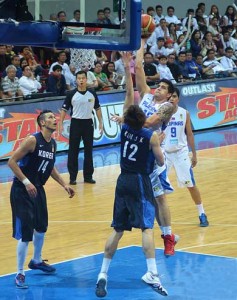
(41, 116)
(176, 90)
(134, 117)
(169, 83)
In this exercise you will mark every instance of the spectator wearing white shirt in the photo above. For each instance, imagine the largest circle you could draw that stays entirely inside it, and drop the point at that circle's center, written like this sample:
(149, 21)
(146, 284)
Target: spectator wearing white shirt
(170, 17)
(65, 68)
(162, 30)
(158, 49)
(228, 63)
(163, 70)
(76, 16)
(158, 16)
(194, 23)
(28, 83)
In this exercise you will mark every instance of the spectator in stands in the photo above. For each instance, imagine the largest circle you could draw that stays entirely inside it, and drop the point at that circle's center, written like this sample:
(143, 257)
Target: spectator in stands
(196, 44)
(182, 66)
(192, 67)
(177, 46)
(162, 30)
(56, 82)
(103, 82)
(202, 6)
(229, 16)
(100, 56)
(163, 70)
(150, 11)
(169, 47)
(62, 17)
(170, 17)
(158, 16)
(28, 83)
(201, 21)
(72, 81)
(107, 12)
(208, 43)
(214, 12)
(10, 84)
(113, 77)
(121, 20)
(158, 49)
(53, 17)
(172, 32)
(10, 51)
(76, 16)
(212, 62)
(5, 59)
(190, 12)
(15, 61)
(215, 29)
(174, 69)
(61, 58)
(100, 17)
(32, 60)
(228, 63)
(150, 69)
(204, 71)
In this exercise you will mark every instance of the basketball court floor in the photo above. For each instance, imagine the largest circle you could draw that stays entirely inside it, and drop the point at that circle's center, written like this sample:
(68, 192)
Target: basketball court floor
(203, 268)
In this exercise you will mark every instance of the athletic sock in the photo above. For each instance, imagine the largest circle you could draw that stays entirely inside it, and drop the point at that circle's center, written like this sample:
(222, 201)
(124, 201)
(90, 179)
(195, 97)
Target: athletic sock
(22, 249)
(167, 230)
(200, 209)
(151, 265)
(38, 241)
(105, 265)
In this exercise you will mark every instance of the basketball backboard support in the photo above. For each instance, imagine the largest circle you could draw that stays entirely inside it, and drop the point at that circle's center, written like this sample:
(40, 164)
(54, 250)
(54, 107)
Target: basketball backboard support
(90, 32)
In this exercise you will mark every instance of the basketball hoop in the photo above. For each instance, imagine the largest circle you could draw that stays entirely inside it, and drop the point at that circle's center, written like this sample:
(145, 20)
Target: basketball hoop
(82, 58)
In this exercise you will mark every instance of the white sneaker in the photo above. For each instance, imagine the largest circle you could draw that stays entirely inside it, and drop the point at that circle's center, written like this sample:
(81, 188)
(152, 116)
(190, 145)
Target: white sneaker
(154, 282)
(101, 285)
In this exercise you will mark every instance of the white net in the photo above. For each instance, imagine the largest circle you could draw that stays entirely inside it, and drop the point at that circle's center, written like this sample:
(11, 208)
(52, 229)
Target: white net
(82, 58)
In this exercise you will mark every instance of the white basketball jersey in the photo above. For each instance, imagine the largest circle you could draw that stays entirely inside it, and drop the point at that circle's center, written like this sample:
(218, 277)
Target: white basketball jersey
(176, 137)
(149, 107)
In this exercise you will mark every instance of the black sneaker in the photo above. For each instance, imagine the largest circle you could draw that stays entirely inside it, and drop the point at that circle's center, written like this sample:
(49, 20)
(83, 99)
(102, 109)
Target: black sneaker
(91, 180)
(73, 182)
(41, 266)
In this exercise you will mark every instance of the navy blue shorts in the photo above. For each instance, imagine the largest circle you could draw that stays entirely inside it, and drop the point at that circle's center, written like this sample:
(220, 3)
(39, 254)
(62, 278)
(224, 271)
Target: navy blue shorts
(28, 213)
(134, 202)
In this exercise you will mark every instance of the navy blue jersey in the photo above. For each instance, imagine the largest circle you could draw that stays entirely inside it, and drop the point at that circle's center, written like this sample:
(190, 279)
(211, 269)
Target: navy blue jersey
(136, 156)
(38, 165)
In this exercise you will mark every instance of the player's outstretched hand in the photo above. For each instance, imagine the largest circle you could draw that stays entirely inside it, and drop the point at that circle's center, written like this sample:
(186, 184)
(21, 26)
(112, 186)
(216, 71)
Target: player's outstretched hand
(116, 118)
(70, 191)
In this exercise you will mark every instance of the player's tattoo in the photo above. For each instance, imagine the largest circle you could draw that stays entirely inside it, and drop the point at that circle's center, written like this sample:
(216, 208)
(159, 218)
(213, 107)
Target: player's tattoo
(165, 112)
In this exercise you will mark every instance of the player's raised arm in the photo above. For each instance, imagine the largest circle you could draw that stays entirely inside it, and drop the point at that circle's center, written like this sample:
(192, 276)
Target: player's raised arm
(141, 84)
(129, 98)
(156, 149)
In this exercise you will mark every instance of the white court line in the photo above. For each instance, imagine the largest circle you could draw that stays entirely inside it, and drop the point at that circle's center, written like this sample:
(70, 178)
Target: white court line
(181, 250)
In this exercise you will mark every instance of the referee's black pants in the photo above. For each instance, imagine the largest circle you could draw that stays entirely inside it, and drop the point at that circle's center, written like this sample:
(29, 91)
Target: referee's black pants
(80, 129)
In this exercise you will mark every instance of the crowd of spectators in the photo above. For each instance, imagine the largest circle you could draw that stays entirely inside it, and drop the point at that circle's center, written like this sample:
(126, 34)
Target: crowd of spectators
(207, 51)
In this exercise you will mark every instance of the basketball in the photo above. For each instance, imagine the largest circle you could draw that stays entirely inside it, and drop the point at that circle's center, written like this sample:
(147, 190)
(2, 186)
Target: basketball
(148, 25)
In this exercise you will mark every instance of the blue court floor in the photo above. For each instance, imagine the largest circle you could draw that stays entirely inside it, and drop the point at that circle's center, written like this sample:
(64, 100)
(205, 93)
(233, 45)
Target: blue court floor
(186, 276)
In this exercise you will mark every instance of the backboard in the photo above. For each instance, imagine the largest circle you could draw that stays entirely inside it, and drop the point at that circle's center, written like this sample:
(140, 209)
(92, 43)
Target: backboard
(84, 24)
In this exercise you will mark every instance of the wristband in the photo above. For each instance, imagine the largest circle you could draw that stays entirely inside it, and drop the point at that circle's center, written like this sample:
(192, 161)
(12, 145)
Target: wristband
(26, 181)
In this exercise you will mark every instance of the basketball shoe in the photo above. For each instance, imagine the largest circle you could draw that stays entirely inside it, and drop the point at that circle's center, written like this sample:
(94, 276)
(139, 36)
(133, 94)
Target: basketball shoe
(101, 285)
(154, 282)
(169, 243)
(20, 281)
(203, 220)
(41, 266)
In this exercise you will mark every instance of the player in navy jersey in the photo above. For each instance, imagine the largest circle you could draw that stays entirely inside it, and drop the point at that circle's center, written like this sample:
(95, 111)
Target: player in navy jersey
(36, 157)
(158, 111)
(81, 102)
(134, 202)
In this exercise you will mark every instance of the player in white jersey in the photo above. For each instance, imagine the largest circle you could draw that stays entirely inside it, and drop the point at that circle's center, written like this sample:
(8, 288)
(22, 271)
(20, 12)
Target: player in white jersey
(179, 136)
(158, 111)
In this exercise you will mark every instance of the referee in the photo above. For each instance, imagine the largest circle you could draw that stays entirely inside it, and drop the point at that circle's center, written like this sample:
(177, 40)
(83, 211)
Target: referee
(81, 101)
